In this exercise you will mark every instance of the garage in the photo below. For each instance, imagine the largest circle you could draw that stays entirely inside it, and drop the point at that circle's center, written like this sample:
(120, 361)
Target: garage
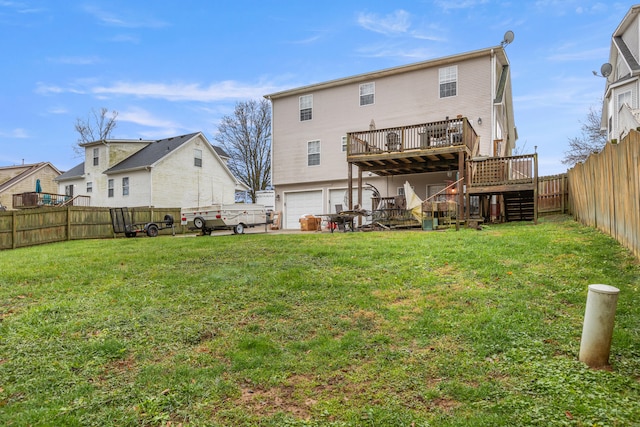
(299, 204)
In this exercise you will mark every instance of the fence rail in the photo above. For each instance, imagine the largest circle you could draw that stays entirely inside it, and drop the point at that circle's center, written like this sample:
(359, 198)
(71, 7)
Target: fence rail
(605, 191)
(29, 227)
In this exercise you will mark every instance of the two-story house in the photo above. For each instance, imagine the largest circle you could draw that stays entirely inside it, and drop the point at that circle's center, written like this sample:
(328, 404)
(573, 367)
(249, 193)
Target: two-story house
(321, 133)
(173, 172)
(621, 108)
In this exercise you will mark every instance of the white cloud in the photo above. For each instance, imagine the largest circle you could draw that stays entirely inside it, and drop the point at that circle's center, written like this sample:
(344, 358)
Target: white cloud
(140, 116)
(76, 60)
(397, 22)
(111, 19)
(18, 133)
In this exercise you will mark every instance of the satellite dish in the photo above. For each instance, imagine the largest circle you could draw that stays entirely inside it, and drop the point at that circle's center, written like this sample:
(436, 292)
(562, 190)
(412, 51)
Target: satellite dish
(606, 69)
(508, 38)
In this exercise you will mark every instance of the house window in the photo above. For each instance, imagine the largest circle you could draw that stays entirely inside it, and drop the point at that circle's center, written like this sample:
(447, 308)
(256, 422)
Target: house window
(448, 78)
(624, 98)
(96, 156)
(197, 158)
(367, 93)
(313, 153)
(125, 186)
(344, 144)
(89, 187)
(110, 188)
(306, 107)
(68, 190)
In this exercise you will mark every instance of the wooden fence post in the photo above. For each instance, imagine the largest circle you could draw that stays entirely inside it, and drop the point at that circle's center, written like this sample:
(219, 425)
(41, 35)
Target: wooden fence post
(14, 229)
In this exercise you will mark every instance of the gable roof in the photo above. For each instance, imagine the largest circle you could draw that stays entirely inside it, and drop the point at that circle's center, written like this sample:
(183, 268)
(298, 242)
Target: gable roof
(151, 154)
(73, 173)
(30, 170)
(437, 62)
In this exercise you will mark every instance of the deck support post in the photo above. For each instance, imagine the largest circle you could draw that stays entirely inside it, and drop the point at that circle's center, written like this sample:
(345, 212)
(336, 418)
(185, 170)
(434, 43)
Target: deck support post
(350, 186)
(460, 189)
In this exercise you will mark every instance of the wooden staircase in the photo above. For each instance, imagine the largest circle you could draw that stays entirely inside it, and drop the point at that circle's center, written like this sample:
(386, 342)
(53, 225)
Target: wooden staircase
(519, 205)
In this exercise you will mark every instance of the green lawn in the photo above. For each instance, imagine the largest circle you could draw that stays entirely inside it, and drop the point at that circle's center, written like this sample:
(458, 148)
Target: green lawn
(411, 328)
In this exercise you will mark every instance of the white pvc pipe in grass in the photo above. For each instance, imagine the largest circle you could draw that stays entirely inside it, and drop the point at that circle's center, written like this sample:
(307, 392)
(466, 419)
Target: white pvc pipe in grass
(597, 330)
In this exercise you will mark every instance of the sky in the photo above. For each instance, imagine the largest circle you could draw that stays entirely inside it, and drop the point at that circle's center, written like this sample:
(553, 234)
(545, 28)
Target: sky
(170, 68)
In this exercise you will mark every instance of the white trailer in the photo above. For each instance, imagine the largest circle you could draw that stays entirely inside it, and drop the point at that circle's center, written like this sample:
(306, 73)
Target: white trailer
(236, 217)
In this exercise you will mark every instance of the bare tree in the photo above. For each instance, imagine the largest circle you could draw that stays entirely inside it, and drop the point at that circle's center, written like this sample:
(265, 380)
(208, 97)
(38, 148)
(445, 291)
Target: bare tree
(593, 139)
(98, 126)
(246, 137)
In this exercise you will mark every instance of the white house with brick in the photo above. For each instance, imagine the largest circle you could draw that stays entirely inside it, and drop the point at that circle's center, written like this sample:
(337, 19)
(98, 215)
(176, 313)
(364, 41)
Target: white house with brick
(311, 124)
(180, 171)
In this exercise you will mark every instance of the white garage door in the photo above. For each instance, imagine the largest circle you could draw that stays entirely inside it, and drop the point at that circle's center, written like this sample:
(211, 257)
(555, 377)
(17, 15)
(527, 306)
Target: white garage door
(299, 204)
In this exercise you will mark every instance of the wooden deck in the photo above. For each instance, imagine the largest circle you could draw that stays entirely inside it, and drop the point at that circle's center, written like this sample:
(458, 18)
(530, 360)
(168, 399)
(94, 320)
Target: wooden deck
(426, 147)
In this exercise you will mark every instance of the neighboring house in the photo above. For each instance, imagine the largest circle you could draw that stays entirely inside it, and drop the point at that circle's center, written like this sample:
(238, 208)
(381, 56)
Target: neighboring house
(183, 171)
(621, 108)
(23, 178)
(311, 125)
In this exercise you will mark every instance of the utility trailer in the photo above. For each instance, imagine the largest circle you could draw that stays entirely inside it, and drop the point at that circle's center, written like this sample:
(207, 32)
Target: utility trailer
(122, 223)
(236, 217)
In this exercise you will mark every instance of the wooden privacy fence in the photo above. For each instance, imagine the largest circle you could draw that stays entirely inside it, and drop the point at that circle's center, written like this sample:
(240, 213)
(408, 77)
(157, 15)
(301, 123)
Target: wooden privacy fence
(605, 191)
(553, 194)
(37, 226)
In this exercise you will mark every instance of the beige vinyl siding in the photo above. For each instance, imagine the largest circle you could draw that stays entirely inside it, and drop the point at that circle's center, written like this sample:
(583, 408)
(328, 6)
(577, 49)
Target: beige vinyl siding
(401, 99)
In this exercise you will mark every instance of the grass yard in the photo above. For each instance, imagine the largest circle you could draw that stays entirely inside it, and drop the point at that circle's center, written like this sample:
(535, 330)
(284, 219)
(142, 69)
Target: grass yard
(412, 328)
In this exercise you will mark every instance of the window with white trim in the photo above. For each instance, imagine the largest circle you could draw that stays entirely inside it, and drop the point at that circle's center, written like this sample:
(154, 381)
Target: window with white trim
(448, 78)
(125, 186)
(344, 144)
(313, 153)
(624, 98)
(110, 187)
(89, 187)
(96, 156)
(197, 158)
(367, 93)
(306, 107)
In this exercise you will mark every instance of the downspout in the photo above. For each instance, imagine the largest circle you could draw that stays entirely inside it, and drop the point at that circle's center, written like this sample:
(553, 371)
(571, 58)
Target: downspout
(148, 168)
(493, 97)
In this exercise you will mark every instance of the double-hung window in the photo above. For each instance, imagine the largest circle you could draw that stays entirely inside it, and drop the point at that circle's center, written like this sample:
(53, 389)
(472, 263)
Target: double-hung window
(110, 188)
(306, 107)
(96, 156)
(197, 158)
(313, 153)
(344, 144)
(448, 78)
(367, 93)
(89, 187)
(125, 186)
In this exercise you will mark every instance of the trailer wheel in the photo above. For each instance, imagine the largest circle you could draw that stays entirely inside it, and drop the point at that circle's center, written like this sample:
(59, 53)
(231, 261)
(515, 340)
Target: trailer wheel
(238, 229)
(130, 234)
(152, 230)
(198, 222)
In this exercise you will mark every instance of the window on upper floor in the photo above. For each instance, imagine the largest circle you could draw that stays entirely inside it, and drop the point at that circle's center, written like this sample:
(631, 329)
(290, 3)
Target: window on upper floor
(110, 188)
(306, 107)
(344, 144)
(197, 158)
(96, 156)
(313, 153)
(624, 98)
(125, 186)
(367, 93)
(448, 78)
(89, 187)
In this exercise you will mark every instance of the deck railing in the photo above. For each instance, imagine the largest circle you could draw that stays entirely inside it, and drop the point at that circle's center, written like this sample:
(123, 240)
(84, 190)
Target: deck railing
(36, 200)
(424, 136)
(493, 171)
